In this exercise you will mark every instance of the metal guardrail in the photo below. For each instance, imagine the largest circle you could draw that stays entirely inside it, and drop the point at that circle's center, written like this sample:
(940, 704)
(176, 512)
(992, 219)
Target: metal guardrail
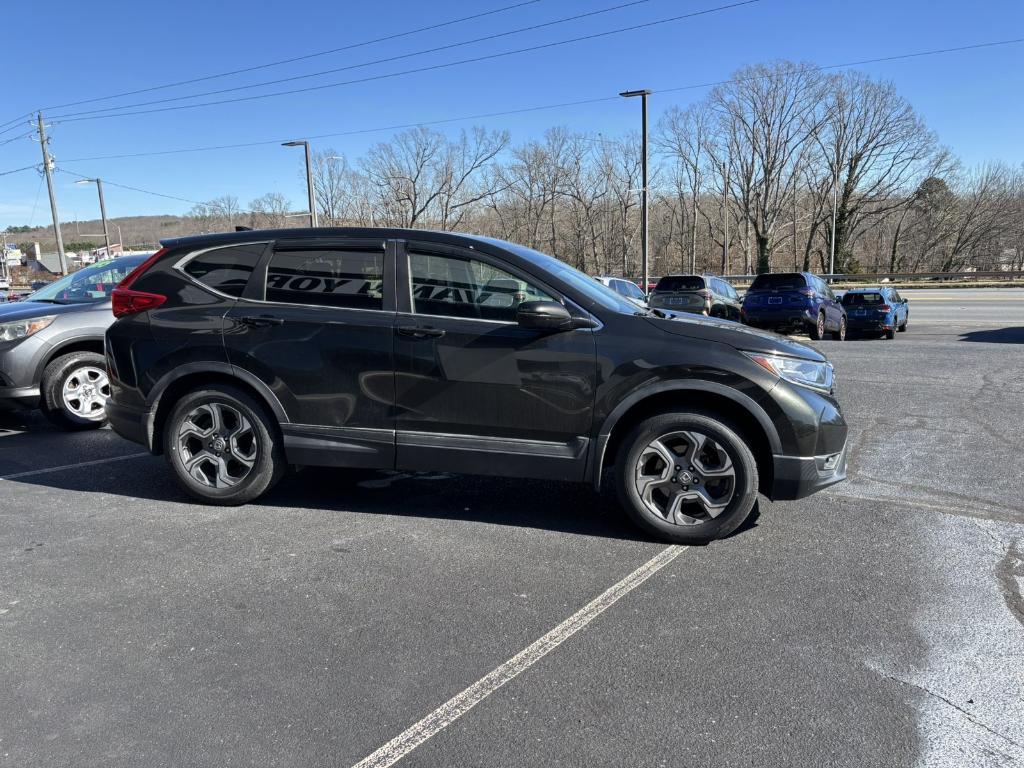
(877, 277)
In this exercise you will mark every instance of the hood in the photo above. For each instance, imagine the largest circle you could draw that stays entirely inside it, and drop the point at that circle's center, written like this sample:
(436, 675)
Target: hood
(26, 310)
(735, 335)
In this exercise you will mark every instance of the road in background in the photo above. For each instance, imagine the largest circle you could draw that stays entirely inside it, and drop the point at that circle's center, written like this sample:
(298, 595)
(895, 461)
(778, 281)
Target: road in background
(878, 623)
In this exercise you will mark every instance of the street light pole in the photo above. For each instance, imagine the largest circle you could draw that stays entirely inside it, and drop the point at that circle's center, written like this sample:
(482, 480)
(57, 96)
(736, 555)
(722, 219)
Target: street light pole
(832, 255)
(309, 179)
(103, 211)
(643, 94)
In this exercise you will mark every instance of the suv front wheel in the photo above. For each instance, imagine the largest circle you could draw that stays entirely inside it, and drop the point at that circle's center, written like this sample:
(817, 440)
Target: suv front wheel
(222, 446)
(687, 478)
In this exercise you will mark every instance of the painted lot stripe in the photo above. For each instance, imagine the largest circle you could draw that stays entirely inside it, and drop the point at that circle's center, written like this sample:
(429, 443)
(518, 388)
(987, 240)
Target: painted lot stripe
(61, 468)
(458, 705)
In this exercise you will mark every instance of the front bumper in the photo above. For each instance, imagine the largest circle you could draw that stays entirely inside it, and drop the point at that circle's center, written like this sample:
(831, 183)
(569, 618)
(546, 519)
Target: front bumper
(19, 397)
(797, 477)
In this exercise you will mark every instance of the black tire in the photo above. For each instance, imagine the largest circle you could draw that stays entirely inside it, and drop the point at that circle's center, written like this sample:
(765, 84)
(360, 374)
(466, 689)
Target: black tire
(890, 333)
(840, 335)
(903, 328)
(269, 464)
(817, 331)
(743, 463)
(52, 401)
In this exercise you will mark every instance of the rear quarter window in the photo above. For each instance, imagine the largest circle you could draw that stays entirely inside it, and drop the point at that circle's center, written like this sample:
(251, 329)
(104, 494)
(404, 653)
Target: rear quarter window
(226, 270)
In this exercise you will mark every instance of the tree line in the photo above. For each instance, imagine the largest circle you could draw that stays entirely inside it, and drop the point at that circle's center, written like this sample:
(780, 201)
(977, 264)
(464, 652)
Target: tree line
(748, 179)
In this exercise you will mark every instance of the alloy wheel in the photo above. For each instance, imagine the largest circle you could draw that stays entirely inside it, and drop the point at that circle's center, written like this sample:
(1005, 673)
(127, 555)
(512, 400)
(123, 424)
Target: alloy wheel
(85, 393)
(685, 478)
(217, 444)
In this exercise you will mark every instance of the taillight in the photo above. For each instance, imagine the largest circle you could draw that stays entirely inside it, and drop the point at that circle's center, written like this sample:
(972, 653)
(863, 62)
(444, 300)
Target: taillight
(884, 307)
(125, 301)
(808, 292)
(128, 302)
(704, 293)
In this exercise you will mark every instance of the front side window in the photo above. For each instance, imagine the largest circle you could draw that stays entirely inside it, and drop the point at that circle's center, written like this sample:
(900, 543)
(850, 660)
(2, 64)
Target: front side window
(453, 286)
(350, 278)
(226, 269)
(632, 290)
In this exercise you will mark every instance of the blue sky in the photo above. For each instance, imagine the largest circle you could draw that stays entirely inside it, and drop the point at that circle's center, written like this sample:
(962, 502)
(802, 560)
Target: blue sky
(971, 99)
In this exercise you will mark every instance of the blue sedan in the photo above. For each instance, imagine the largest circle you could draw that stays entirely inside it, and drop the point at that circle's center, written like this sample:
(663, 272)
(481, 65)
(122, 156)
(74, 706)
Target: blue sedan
(876, 311)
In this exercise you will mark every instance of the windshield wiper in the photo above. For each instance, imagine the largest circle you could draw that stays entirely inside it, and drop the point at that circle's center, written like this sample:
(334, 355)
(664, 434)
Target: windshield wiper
(49, 301)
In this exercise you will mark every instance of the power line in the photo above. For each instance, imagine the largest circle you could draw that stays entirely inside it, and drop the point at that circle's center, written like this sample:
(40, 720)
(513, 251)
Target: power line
(388, 59)
(304, 57)
(19, 170)
(537, 108)
(354, 132)
(71, 117)
(16, 138)
(137, 189)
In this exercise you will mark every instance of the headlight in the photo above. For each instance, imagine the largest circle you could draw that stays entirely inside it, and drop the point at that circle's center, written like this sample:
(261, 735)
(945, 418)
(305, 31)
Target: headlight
(806, 373)
(19, 329)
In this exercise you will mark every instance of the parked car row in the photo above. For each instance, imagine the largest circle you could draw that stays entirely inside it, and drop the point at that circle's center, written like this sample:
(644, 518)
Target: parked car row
(238, 355)
(784, 302)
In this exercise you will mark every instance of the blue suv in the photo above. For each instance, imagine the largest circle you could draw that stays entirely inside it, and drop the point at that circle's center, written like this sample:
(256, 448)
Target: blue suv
(794, 301)
(876, 310)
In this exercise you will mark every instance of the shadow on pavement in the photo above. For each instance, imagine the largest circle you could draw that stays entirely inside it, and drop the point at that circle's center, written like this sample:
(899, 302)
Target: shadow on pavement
(996, 336)
(544, 505)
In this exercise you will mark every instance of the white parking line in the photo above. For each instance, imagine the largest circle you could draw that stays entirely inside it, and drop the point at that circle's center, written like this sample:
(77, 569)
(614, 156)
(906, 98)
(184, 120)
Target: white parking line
(457, 706)
(93, 463)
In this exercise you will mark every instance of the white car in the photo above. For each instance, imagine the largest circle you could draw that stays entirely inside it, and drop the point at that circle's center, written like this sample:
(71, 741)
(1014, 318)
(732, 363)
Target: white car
(625, 288)
(5, 284)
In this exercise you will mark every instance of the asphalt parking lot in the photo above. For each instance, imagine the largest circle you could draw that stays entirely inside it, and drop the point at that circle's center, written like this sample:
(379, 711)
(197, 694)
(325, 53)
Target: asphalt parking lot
(880, 623)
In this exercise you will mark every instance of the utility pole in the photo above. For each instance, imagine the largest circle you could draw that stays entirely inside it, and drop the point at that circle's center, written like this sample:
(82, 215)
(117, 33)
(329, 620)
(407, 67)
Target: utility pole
(643, 94)
(48, 170)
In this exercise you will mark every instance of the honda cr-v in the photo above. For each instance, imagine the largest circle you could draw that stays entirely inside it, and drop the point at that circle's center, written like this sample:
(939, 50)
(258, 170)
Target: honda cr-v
(237, 355)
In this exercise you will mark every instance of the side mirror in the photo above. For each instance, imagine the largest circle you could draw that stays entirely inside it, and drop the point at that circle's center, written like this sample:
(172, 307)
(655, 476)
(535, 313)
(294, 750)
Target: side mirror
(544, 316)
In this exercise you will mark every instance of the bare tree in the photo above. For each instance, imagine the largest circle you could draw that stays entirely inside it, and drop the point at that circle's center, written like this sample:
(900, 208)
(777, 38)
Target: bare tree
(269, 211)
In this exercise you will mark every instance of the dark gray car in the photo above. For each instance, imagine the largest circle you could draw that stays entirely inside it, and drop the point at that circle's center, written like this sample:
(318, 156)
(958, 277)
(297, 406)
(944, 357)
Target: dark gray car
(51, 346)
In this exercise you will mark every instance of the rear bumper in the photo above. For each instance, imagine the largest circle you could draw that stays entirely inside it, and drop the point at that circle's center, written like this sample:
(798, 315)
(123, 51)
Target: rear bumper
(797, 477)
(130, 423)
(787, 318)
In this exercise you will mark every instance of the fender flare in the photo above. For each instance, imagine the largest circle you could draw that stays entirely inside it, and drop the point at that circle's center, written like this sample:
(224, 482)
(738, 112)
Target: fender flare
(598, 446)
(156, 394)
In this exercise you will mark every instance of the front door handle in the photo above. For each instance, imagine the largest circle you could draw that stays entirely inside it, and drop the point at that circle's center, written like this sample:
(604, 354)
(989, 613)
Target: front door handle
(262, 321)
(417, 332)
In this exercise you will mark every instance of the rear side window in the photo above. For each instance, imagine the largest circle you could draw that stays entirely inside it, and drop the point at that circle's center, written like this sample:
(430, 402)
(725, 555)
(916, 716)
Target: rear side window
(350, 278)
(632, 290)
(452, 286)
(862, 299)
(226, 269)
(680, 283)
(779, 282)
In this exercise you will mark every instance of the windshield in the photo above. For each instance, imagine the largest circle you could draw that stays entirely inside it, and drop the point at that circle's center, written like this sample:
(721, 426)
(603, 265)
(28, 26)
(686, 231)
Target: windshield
(680, 283)
(779, 282)
(588, 286)
(90, 285)
(849, 299)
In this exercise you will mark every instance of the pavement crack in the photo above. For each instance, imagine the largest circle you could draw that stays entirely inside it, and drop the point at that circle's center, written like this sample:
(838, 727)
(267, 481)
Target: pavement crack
(939, 697)
(1008, 570)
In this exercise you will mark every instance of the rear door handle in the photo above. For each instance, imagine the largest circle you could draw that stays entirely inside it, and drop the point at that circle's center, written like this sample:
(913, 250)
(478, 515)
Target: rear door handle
(263, 321)
(416, 332)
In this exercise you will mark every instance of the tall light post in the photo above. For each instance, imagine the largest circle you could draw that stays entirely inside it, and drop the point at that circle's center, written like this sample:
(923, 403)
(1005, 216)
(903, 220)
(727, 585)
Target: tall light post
(643, 94)
(835, 201)
(103, 211)
(309, 179)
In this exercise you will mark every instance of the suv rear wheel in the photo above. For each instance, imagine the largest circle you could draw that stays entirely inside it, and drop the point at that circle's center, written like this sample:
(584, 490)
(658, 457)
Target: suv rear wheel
(74, 389)
(687, 478)
(222, 446)
(817, 331)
